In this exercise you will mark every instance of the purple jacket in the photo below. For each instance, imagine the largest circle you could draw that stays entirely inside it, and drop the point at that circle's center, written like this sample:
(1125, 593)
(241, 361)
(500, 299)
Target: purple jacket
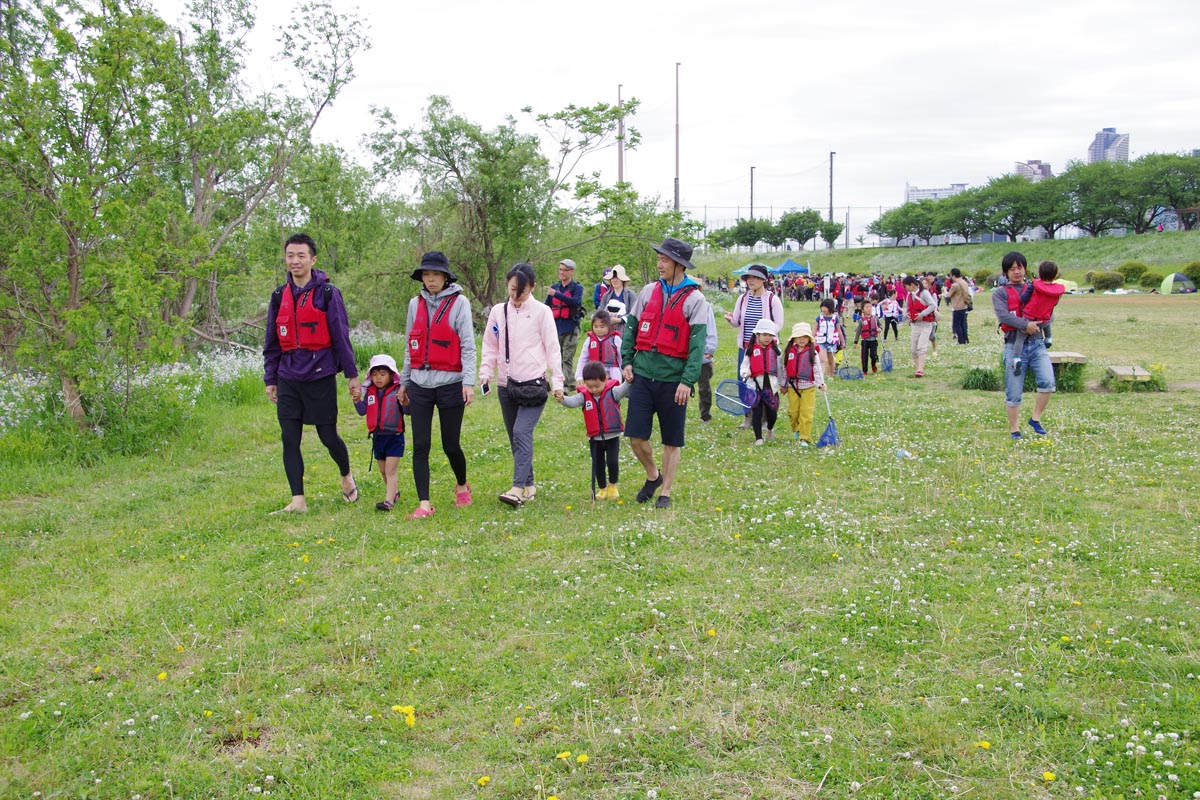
(310, 365)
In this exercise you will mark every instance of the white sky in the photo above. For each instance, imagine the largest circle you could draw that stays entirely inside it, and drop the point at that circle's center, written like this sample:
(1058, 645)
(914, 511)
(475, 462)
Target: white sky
(929, 92)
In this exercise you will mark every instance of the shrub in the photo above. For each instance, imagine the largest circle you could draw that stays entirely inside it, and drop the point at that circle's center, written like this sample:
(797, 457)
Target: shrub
(1150, 280)
(983, 277)
(1132, 270)
(982, 379)
(1103, 281)
(1192, 270)
(1087, 276)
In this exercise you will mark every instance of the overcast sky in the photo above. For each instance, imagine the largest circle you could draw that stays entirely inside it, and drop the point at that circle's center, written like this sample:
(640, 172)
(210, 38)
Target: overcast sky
(930, 92)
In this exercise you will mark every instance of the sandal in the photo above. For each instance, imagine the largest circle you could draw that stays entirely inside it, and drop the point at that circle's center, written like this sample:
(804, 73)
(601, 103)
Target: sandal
(352, 495)
(384, 505)
(421, 513)
(512, 498)
(530, 493)
(463, 499)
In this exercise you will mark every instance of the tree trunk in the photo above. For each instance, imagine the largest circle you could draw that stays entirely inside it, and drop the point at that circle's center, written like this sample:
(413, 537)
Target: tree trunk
(71, 397)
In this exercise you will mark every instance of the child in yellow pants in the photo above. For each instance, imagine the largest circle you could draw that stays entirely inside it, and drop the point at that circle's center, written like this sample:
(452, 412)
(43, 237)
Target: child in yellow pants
(804, 376)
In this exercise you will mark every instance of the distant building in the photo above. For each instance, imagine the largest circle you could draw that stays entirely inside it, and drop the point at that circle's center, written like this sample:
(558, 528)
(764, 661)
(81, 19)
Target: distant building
(1109, 146)
(912, 193)
(1034, 170)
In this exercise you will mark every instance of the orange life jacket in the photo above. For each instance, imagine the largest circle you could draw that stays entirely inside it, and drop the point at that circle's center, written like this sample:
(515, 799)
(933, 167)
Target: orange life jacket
(435, 346)
(665, 330)
(299, 324)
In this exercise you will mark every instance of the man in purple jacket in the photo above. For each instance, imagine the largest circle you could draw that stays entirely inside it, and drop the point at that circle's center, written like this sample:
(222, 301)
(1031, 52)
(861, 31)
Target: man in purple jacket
(307, 345)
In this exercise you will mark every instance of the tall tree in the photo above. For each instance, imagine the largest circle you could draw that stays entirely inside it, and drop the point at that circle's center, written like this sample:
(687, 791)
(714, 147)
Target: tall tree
(1009, 205)
(1177, 180)
(1051, 205)
(800, 226)
(830, 231)
(960, 214)
(1093, 190)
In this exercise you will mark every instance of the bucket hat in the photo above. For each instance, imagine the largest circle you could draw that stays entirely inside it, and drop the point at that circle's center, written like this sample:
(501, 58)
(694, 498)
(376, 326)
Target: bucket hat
(436, 261)
(765, 326)
(801, 329)
(677, 250)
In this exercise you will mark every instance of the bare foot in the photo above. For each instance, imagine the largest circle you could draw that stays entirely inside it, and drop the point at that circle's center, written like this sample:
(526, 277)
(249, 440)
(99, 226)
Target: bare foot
(292, 508)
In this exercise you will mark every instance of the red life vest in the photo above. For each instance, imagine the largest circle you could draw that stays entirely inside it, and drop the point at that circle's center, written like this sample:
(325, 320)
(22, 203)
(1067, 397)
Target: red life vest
(558, 308)
(604, 350)
(299, 324)
(870, 328)
(602, 414)
(915, 307)
(799, 363)
(384, 414)
(665, 331)
(1014, 305)
(763, 361)
(446, 351)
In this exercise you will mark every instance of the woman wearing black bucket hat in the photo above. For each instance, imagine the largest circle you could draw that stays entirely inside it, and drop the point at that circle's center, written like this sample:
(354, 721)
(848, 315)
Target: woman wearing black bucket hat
(438, 373)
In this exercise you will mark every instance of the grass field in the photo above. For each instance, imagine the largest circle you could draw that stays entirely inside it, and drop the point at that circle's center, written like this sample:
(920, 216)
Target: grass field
(984, 619)
(1163, 253)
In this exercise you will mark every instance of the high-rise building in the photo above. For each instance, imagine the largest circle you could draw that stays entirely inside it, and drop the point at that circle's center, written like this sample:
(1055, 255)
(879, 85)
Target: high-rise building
(1109, 146)
(912, 193)
(1034, 170)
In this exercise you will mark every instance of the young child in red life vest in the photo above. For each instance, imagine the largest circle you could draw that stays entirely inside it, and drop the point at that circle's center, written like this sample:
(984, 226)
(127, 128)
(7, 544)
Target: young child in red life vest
(763, 369)
(868, 332)
(600, 399)
(1038, 301)
(802, 370)
(380, 404)
(603, 345)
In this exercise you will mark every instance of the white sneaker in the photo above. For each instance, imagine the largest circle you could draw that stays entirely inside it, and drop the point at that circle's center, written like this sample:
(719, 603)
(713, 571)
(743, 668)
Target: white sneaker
(758, 442)
(770, 436)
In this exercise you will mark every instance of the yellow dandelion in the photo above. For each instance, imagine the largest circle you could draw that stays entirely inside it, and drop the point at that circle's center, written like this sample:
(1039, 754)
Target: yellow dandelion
(516, 722)
(178, 648)
(1066, 638)
(96, 670)
(582, 758)
(484, 780)
(1048, 776)
(395, 559)
(564, 755)
(183, 558)
(410, 714)
(712, 631)
(304, 558)
(983, 744)
(162, 676)
(570, 508)
(207, 713)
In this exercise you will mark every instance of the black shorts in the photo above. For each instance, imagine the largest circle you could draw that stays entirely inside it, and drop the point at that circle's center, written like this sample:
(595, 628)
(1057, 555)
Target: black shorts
(311, 402)
(648, 398)
(387, 445)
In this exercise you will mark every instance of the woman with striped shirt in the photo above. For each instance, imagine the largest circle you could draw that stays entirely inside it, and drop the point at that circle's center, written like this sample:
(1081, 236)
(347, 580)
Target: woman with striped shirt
(758, 302)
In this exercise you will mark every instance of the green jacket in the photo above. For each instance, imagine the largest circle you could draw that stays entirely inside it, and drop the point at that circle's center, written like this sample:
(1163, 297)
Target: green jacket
(660, 367)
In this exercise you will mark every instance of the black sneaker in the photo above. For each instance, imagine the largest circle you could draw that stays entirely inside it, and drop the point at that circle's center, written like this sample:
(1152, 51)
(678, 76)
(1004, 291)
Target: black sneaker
(649, 488)
(663, 501)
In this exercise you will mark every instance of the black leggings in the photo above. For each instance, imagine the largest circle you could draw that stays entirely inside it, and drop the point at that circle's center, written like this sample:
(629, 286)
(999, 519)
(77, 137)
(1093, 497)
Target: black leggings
(761, 409)
(889, 323)
(293, 461)
(606, 452)
(869, 350)
(422, 403)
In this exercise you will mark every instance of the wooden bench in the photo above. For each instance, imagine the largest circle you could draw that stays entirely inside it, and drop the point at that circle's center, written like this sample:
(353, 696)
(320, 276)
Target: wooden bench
(1128, 373)
(1063, 357)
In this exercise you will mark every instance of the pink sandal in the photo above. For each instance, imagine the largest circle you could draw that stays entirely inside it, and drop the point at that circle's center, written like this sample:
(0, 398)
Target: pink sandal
(421, 513)
(463, 499)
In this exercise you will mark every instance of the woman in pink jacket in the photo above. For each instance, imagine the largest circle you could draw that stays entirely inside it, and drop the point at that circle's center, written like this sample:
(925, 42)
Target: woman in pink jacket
(520, 345)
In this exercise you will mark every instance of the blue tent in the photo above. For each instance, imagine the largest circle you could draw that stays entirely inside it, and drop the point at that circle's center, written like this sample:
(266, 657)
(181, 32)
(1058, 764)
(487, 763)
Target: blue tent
(790, 267)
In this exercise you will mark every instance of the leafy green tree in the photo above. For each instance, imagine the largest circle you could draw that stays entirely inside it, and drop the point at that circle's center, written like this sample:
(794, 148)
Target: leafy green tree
(830, 231)
(722, 238)
(1093, 189)
(488, 197)
(922, 219)
(961, 214)
(891, 224)
(85, 87)
(771, 233)
(1177, 184)
(800, 226)
(1008, 203)
(747, 232)
(1051, 205)
(1137, 200)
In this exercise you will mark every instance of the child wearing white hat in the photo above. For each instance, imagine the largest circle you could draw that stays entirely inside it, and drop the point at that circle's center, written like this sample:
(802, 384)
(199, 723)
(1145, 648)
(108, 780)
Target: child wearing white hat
(802, 370)
(380, 404)
(763, 369)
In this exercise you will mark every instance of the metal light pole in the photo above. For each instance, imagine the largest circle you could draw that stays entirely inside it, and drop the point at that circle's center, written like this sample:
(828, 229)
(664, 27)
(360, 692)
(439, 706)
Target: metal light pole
(677, 63)
(832, 153)
(620, 138)
(752, 194)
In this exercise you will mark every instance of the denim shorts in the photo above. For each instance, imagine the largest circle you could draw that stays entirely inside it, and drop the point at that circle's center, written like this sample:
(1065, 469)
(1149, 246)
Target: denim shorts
(1034, 357)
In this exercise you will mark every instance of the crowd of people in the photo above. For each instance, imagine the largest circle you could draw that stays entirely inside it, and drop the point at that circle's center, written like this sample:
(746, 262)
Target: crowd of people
(650, 350)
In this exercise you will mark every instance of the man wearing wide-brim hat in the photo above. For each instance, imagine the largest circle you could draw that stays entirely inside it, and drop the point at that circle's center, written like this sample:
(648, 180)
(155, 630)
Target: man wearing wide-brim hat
(662, 354)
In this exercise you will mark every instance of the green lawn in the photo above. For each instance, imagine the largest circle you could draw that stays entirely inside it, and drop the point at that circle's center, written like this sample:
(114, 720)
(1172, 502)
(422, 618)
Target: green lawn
(982, 620)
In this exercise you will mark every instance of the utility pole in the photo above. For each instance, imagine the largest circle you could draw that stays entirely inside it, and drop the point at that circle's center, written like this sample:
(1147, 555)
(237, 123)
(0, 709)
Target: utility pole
(620, 138)
(752, 194)
(832, 153)
(677, 63)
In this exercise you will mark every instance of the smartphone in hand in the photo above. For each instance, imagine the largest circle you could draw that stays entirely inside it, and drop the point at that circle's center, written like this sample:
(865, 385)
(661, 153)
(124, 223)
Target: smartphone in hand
(487, 389)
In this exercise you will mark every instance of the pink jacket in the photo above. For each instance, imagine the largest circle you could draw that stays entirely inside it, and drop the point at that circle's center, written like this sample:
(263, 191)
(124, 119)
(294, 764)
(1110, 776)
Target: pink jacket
(533, 345)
